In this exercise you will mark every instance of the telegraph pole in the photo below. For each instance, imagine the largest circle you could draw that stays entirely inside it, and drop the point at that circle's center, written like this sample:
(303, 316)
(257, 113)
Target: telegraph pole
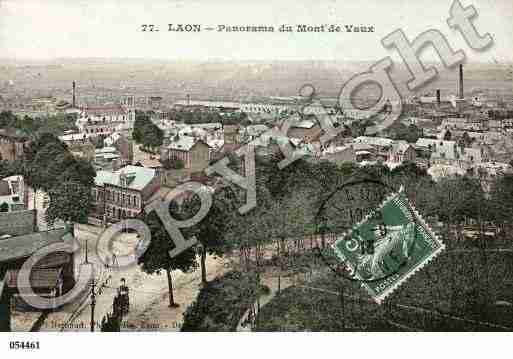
(93, 303)
(93, 297)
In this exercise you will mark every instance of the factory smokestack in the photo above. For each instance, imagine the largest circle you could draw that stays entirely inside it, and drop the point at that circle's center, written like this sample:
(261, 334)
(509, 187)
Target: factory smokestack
(461, 83)
(74, 86)
(438, 99)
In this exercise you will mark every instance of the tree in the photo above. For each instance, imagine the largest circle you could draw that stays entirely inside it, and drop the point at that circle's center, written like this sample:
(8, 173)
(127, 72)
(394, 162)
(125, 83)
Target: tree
(146, 132)
(156, 259)
(79, 170)
(289, 219)
(409, 133)
(12, 168)
(40, 142)
(501, 199)
(70, 202)
(49, 164)
(7, 119)
(28, 126)
(211, 230)
(410, 170)
(459, 198)
(46, 162)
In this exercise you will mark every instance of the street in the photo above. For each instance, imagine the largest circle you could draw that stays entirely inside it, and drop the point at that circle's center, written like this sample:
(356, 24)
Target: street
(148, 293)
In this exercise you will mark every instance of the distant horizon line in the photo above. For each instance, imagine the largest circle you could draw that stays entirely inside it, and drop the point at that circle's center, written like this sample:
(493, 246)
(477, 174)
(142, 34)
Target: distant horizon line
(218, 60)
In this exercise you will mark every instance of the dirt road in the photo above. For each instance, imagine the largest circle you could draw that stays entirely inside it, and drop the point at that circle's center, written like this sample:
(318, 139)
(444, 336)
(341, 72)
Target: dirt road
(148, 293)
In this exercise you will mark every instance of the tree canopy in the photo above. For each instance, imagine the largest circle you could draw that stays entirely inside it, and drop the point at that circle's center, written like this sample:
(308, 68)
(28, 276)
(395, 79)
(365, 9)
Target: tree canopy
(156, 258)
(70, 202)
(146, 132)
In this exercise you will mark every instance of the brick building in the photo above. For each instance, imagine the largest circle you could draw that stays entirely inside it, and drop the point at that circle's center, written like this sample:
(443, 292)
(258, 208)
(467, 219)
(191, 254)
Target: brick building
(402, 151)
(194, 153)
(123, 193)
(104, 120)
(12, 146)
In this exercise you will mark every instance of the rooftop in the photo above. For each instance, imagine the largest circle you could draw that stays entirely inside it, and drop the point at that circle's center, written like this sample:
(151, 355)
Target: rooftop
(304, 124)
(425, 142)
(183, 143)
(400, 146)
(107, 149)
(374, 141)
(24, 246)
(138, 177)
(104, 109)
(74, 137)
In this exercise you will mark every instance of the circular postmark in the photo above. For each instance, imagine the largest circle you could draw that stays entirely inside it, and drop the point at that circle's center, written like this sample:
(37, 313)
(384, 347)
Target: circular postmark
(368, 230)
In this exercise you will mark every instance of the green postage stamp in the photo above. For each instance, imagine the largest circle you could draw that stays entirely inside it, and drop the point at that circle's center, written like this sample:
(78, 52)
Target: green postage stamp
(388, 246)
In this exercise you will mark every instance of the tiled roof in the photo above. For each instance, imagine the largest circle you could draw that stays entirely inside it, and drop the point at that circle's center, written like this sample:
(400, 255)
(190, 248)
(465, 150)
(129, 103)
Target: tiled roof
(138, 177)
(362, 147)
(183, 143)
(374, 141)
(400, 146)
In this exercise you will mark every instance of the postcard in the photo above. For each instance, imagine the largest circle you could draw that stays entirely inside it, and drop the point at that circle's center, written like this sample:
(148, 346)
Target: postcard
(254, 166)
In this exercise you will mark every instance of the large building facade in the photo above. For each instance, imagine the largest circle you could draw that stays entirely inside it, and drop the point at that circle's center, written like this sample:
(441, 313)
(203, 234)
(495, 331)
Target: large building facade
(12, 147)
(195, 154)
(123, 193)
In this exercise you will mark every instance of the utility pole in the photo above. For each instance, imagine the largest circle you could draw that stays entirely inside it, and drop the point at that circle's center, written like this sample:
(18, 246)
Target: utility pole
(93, 297)
(93, 303)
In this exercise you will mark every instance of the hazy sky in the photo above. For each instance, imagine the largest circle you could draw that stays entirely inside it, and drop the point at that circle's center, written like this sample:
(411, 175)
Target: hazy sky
(31, 29)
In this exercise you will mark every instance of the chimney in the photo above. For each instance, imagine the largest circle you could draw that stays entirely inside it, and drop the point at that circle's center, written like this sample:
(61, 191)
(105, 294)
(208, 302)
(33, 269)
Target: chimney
(461, 83)
(74, 86)
(438, 97)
